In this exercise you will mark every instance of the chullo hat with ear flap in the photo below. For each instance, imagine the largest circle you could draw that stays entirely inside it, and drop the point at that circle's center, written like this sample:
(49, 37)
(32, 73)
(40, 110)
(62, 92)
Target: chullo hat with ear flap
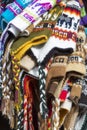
(57, 68)
(39, 34)
(63, 38)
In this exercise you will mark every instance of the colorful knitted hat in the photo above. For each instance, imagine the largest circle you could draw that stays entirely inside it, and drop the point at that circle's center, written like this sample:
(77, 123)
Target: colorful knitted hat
(57, 68)
(31, 13)
(63, 39)
(12, 10)
(39, 35)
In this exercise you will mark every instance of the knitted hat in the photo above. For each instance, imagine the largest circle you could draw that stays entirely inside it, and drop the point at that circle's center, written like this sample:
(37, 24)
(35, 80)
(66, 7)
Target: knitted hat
(57, 68)
(40, 34)
(63, 39)
(12, 10)
(31, 13)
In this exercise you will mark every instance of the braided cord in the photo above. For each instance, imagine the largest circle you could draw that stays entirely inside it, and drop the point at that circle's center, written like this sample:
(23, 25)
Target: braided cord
(42, 83)
(28, 92)
(55, 114)
(25, 113)
(3, 39)
(6, 91)
(20, 118)
(16, 72)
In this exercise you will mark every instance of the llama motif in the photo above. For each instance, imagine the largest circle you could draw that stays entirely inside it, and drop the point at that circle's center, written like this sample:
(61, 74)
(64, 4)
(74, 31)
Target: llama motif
(65, 19)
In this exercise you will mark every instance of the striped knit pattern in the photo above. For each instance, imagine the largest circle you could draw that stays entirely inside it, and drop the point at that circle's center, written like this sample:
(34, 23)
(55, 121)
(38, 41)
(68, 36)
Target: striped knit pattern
(42, 83)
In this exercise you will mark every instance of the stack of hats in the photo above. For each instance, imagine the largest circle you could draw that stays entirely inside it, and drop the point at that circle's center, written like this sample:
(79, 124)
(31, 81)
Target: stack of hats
(43, 64)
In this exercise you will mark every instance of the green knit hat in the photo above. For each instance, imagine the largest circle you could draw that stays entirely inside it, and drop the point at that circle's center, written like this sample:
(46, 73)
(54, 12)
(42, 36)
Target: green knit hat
(39, 35)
